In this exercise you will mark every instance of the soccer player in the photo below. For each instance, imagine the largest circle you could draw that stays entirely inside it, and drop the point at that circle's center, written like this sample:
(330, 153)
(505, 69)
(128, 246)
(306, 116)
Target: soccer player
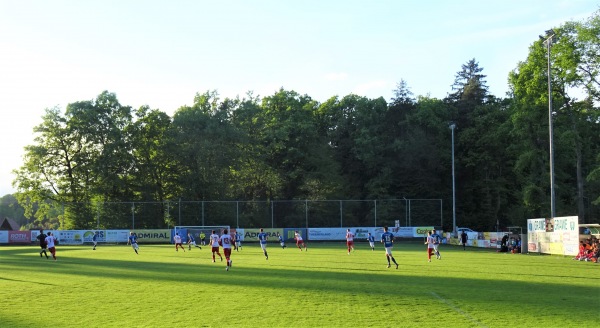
(178, 242)
(214, 241)
(50, 242)
(133, 241)
(299, 240)
(429, 242)
(349, 240)
(387, 238)
(281, 241)
(95, 240)
(43, 245)
(225, 241)
(202, 238)
(238, 241)
(191, 241)
(371, 241)
(262, 238)
(436, 244)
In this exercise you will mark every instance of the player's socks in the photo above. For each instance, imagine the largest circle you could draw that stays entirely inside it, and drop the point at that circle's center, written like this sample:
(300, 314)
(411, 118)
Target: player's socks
(41, 254)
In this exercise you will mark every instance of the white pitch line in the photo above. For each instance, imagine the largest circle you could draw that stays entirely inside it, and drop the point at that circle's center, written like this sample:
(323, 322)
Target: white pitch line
(464, 314)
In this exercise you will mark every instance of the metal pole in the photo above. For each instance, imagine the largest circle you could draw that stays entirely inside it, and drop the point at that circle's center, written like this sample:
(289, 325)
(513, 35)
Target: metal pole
(452, 127)
(341, 216)
(237, 213)
(441, 214)
(306, 212)
(375, 212)
(550, 34)
(203, 213)
(132, 215)
(179, 211)
(272, 215)
(405, 211)
(409, 219)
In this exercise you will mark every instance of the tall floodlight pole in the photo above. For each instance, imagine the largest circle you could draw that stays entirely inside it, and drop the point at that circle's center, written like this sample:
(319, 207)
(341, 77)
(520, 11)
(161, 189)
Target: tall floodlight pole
(548, 41)
(452, 127)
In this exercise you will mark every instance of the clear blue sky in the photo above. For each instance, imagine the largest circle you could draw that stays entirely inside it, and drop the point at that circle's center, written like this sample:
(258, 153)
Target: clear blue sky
(161, 53)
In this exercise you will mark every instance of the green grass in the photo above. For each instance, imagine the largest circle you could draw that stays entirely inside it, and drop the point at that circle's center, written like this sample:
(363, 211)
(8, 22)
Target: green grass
(324, 287)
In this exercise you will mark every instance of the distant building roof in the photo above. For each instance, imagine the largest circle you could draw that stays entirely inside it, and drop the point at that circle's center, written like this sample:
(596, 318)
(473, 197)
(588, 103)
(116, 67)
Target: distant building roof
(9, 224)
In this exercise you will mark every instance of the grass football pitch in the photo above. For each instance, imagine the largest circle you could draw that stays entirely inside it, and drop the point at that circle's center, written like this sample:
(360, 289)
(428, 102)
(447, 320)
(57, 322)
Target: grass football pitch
(323, 287)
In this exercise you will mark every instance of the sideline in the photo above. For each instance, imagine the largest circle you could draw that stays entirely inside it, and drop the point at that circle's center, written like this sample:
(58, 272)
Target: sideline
(466, 315)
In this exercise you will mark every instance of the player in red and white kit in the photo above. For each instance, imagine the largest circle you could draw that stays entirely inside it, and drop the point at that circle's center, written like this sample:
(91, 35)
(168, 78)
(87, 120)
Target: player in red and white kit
(430, 241)
(50, 242)
(178, 242)
(226, 241)
(349, 240)
(214, 243)
(299, 240)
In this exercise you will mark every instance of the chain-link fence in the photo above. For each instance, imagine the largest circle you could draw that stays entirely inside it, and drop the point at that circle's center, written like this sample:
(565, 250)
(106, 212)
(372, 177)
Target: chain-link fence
(267, 214)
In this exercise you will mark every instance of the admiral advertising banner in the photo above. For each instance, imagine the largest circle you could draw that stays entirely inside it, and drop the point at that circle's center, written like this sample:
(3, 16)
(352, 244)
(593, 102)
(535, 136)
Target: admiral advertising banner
(252, 234)
(153, 235)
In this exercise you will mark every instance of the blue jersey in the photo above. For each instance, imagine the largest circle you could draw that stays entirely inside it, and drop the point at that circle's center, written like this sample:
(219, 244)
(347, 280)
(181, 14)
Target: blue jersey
(436, 238)
(95, 237)
(133, 239)
(237, 237)
(388, 239)
(371, 239)
(262, 237)
(280, 238)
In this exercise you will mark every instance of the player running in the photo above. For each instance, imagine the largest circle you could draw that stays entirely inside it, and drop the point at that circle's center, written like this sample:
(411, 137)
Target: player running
(191, 241)
(95, 240)
(299, 240)
(262, 238)
(429, 241)
(214, 242)
(387, 238)
(133, 241)
(238, 241)
(50, 242)
(178, 242)
(226, 241)
(371, 241)
(43, 245)
(436, 243)
(281, 241)
(349, 240)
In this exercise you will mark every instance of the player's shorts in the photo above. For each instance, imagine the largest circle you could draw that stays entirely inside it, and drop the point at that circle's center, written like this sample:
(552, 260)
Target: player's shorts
(227, 252)
(135, 246)
(215, 249)
(52, 250)
(372, 244)
(263, 246)
(350, 243)
(435, 247)
(43, 246)
(192, 243)
(388, 251)
(179, 244)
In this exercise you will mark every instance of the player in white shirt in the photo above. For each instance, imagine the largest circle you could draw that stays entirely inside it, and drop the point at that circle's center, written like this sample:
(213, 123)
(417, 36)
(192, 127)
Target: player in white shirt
(178, 243)
(429, 242)
(349, 240)
(226, 241)
(51, 244)
(214, 243)
(299, 240)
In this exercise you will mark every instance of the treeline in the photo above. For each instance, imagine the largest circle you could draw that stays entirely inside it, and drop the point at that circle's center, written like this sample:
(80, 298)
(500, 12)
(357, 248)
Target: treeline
(289, 146)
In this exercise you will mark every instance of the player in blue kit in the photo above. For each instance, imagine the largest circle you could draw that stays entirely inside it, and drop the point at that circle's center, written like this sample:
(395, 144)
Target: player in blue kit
(238, 241)
(281, 241)
(436, 243)
(387, 238)
(371, 241)
(262, 238)
(133, 241)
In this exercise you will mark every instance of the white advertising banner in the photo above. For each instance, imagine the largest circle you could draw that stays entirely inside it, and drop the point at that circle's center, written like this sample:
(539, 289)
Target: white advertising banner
(88, 236)
(553, 236)
(326, 234)
(3, 237)
(69, 237)
(116, 236)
